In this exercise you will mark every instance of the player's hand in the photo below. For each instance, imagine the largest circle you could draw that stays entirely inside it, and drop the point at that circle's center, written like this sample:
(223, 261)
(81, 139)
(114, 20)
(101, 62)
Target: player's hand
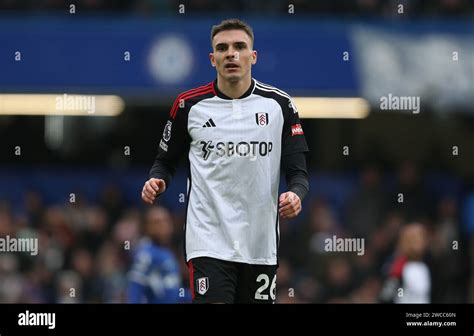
(152, 188)
(290, 205)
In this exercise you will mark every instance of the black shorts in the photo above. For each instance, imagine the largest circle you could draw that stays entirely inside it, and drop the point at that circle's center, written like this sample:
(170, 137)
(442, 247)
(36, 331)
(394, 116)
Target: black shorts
(218, 281)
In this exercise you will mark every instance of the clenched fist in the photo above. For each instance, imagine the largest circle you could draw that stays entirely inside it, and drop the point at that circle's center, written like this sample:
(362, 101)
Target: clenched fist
(152, 188)
(290, 205)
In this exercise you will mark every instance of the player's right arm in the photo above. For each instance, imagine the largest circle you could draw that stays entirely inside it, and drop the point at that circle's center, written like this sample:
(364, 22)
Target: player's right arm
(173, 144)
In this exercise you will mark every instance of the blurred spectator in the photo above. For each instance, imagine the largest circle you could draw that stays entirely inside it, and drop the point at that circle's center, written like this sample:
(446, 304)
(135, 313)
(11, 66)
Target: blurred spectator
(409, 278)
(154, 275)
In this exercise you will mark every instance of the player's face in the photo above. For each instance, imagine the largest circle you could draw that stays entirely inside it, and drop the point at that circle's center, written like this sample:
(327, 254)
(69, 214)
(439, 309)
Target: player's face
(233, 55)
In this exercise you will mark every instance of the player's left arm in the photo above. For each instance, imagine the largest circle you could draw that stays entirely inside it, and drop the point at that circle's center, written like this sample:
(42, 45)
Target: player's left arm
(294, 168)
(293, 163)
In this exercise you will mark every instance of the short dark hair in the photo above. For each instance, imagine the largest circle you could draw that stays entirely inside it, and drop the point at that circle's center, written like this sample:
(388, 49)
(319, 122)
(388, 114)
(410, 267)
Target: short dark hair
(232, 24)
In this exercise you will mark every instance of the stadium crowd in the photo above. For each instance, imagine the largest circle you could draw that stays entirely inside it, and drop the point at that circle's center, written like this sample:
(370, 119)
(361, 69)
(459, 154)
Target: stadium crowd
(85, 249)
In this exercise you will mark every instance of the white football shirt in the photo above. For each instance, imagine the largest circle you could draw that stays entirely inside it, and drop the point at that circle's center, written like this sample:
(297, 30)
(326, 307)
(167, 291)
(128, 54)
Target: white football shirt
(235, 148)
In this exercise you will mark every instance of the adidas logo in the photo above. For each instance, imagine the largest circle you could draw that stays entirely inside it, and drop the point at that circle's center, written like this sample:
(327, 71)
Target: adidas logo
(209, 123)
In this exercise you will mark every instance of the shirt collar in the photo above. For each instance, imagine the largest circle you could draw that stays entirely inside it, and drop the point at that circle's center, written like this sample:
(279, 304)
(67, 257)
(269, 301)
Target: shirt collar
(247, 93)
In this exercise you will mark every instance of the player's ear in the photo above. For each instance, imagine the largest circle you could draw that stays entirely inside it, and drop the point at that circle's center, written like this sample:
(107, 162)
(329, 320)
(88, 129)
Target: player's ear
(254, 56)
(211, 58)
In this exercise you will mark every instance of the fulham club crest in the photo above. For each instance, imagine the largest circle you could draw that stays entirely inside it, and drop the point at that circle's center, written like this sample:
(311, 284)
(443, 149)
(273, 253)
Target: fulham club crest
(202, 285)
(261, 119)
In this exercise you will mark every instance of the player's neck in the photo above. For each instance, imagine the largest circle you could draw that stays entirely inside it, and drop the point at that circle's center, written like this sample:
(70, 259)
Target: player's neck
(234, 90)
